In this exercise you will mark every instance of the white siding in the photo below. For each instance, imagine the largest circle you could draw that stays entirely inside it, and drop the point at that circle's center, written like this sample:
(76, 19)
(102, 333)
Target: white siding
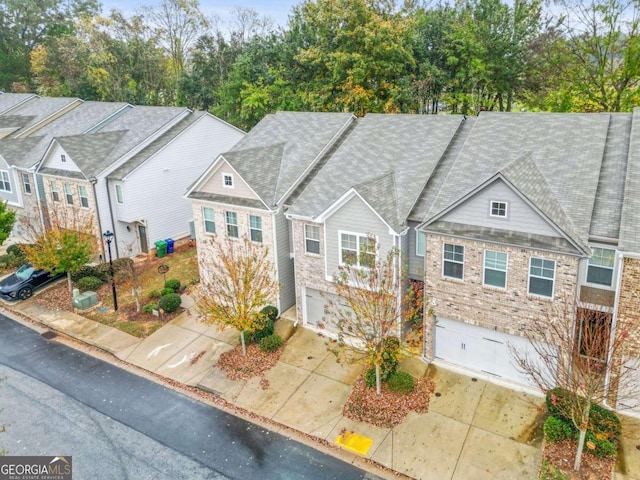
(54, 160)
(215, 183)
(520, 217)
(354, 217)
(154, 192)
(286, 276)
(415, 262)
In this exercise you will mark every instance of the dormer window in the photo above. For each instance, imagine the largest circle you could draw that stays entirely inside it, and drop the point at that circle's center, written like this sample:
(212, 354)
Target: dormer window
(498, 209)
(63, 158)
(227, 180)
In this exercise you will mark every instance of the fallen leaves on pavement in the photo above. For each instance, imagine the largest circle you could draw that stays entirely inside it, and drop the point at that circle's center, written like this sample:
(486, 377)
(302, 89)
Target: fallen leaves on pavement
(243, 367)
(562, 454)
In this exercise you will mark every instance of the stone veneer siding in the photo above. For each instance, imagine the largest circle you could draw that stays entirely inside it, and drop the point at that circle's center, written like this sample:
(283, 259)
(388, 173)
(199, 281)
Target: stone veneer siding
(508, 310)
(629, 304)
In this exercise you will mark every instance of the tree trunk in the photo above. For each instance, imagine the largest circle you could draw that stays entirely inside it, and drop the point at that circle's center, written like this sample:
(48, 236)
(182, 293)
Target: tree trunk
(378, 381)
(576, 464)
(136, 295)
(69, 283)
(244, 346)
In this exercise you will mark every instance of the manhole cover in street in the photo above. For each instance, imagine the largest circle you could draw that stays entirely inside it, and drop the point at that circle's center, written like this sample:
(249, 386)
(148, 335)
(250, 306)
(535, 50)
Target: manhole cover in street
(48, 334)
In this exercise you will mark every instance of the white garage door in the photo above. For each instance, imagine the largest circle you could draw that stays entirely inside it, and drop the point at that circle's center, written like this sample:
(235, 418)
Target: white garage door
(480, 349)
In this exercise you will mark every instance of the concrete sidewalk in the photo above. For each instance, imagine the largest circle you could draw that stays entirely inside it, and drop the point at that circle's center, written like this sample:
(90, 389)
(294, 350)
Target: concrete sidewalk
(474, 429)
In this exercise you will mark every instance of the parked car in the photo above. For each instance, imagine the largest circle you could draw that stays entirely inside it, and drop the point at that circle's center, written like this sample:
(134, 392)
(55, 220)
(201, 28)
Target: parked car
(22, 283)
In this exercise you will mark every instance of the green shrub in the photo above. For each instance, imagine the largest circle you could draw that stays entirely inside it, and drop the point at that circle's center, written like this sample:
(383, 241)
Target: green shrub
(390, 358)
(270, 312)
(11, 261)
(557, 429)
(264, 330)
(122, 264)
(603, 447)
(149, 307)
(370, 377)
(271, 343)
(173, 284)
(90, 271)
(401, 382)
(170, 302)
(166, 291)
(16, 250)
(89, 283)
(154, 294)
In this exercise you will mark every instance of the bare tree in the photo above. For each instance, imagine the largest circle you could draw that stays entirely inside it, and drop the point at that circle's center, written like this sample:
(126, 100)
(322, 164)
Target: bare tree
(237, 281)
(372, 300)
(580, 350)
(130, 270)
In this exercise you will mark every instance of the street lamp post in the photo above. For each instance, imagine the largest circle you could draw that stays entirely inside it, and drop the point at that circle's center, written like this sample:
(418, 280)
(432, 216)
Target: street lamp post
(108, 236)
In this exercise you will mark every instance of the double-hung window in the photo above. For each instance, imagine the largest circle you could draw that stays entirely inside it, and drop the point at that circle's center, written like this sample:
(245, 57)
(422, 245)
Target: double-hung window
(359, 250)
(453, 261)
(26, 183)
(208, 215)
(542, 275)
(84, 198)
(68, 194)
(232, 224)
(255, 228)
(5, 184)
(420, 243)
(495, 268)
(55, 196)
(600, 269)
(312, 239)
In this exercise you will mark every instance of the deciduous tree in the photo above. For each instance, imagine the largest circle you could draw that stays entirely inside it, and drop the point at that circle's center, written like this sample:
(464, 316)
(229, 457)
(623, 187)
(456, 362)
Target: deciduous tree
(7, 220)
(238, 280)
(580, 350)
(371, 301)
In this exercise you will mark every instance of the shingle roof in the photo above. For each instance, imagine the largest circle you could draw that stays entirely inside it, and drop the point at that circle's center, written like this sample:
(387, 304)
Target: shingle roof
(41, 108)
(409, 146)
(630, 221)
(13, 149)
(567, 150)
(10, 100)
(15, 121)
(155, 146)
(281, 147)
(91, 153)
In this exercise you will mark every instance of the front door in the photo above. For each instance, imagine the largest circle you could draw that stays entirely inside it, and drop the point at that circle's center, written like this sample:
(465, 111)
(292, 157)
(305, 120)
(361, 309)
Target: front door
(142, 232)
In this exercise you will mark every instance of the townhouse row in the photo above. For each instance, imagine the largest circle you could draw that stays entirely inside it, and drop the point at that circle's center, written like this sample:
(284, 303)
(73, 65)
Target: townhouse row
(500, 216)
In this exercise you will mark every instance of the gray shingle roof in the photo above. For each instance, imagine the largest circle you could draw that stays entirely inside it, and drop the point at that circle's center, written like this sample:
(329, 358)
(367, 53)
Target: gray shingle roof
(226, 199)
(41, 108)
(567, 150)
(10, 100)
(281, 147)
(91, 153)
(409, 146)
(630, 221)
(155, 146)
(15, 121)
(13, 149)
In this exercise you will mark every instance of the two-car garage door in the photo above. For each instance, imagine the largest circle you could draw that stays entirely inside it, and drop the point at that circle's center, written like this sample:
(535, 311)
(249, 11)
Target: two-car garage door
(481, 349)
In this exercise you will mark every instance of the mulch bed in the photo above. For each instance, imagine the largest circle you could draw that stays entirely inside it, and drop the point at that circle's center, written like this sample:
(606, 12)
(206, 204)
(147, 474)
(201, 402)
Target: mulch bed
(255, 363)
(387, 409)
(562, 454)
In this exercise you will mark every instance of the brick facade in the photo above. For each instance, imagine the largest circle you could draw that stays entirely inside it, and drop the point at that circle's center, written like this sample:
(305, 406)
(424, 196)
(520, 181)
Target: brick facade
(507, 310)
(629, 304)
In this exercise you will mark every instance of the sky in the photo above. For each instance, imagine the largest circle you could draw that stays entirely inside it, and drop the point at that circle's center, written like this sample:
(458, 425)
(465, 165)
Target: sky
(278, 10)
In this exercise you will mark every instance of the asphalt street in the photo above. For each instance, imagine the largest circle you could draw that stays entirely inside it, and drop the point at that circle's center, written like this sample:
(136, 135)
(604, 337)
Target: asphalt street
(206, 441)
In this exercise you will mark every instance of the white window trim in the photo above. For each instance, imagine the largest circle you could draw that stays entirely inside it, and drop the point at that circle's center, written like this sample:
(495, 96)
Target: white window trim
(251, 229)
(454, 261)
(484, 268)
(226, 224)
(204, 221)
(6, 180)
(119, 194)
(224, 183)
(68, 192)
(358, 253)
(553, 280)
(80, 196)
(418, 233)
(312, 239)
(613, 270)
(25, 183)
(53, 186)
(506, 209)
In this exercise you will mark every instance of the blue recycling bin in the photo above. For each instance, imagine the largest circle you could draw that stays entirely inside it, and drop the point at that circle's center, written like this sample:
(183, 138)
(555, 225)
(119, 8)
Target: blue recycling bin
(170, 243)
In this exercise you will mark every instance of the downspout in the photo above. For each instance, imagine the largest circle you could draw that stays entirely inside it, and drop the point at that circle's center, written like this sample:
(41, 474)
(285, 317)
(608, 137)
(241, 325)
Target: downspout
(115, 238)
(614, 320)
(302, 289)
(275, 256)
(400, 285)
(93, 181)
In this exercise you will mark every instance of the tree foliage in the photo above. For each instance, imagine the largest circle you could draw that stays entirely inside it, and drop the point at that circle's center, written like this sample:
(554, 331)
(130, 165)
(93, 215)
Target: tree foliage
(236, 285)
(371, 301)
(7, 220)
(581, 351)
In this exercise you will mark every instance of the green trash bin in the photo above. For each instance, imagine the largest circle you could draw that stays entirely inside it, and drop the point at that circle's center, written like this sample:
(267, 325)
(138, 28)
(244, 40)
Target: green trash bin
(161, 248)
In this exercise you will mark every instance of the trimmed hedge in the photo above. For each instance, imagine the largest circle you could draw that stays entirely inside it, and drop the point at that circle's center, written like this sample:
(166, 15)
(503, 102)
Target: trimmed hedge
(11, 261)
(149, 307)
(170, 302)
(89, 283)
(401, 382)
(270, 312)
(166, 291)
(556, 429)
(16, 250)
(259, 333)
(90, 271)
(173, 284)
(271, 343)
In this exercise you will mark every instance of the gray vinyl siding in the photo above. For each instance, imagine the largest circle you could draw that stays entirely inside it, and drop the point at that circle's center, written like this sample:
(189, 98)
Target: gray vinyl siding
(415, 262)
(285, 263)
(11, 197)
(520, 217)
(354, 217)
